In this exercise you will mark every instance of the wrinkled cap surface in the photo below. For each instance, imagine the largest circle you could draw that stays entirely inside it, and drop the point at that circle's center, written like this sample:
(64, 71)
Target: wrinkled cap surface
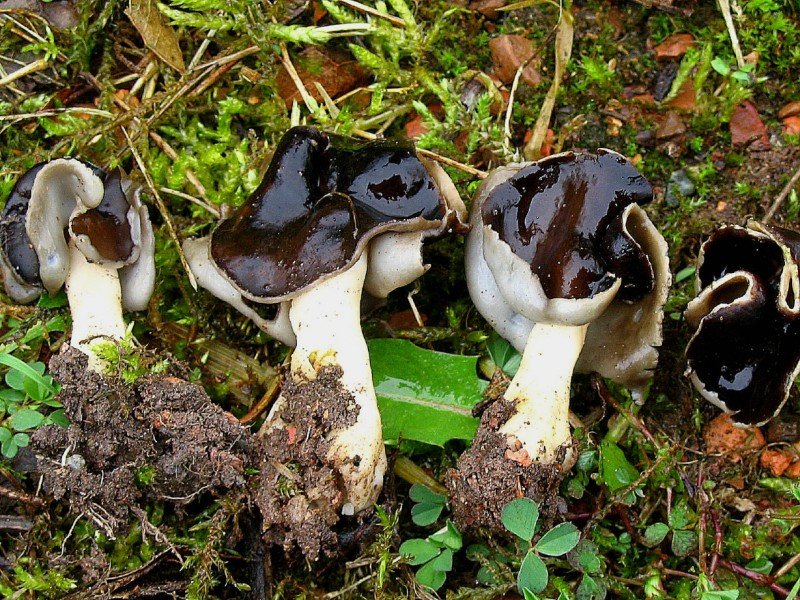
(564, 217)
(322, 199)
(745, 353)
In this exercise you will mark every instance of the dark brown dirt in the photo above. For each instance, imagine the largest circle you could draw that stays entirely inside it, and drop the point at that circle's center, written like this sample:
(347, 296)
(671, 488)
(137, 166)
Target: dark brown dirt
(158, 439)
(298, 492)
(485, 480)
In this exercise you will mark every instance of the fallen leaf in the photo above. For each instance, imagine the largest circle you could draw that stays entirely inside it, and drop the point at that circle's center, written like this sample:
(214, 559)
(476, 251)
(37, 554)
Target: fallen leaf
(686, 98)
(671, 126)
(747, 128)
(488, 8)
(790, 110)
(721, 436)
(793, 471)
(337, 72)
(508, 53)
(777, 461)
(791, 125)
(156, 33)
(674, 46)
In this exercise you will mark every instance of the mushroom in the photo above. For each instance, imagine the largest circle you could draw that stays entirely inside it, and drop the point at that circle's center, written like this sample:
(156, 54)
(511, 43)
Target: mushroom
(745, 352)
(105, 260)
(332, 217)
(563, 263)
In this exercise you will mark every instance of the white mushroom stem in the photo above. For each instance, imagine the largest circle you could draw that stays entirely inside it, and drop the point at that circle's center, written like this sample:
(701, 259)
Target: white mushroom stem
(327, 322)
(540, 391)
(95, 302)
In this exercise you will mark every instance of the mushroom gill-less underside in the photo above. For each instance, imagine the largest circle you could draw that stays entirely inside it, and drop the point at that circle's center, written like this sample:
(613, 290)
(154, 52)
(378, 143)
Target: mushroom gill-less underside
(745, 354)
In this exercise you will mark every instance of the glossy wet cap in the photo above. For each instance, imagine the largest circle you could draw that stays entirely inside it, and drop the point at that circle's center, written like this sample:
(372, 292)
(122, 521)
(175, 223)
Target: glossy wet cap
(564, 241)
(745, 354)
(564, 217)
(322, 199)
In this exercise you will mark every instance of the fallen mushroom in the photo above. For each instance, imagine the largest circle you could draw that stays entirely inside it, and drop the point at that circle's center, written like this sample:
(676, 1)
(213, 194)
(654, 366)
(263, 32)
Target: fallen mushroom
(105, 261)
(745, 353)
(331, 218)
(563, 263)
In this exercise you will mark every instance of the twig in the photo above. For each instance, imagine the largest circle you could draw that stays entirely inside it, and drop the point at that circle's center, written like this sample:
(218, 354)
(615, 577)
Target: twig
(21, 497)
(787, 566)
(725, 7)
(37, 65)
(266, 399)
(373, 11)
(510, 109)
(759, 578)
(191, 199)
(170, 152)
(410, 472)
(782, 196)
(432, 155)
(161, 207)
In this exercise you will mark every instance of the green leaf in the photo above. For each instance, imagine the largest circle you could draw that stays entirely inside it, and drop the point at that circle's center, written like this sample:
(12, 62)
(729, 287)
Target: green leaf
(425, 513)
(21, 439)
(615, 470)
(684, 274)
(520, 517)
(420, 551)
(532, 574)
(720, 66)
(588, 559)
(430, 577)
(17, 365)
(5, 434)
(448, 536)
(503, 354)
(719, 595)
(443, 562)
(760, 565)
(683, 542)
(422, 493)
(655, 534)
(423, 395)
(9, 448)
(25, 419)
(58, 417)
(679, 516)
(559, 540)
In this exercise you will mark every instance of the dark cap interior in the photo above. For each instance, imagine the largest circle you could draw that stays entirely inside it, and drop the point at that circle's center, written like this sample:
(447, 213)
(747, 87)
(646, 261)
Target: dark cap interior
(321, 200)
(745, 352)
(563, 216)
(14, 240)
(107, 225)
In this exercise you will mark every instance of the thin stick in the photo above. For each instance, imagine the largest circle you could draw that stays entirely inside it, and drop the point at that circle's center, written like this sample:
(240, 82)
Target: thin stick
(764, 580)
(410, 472)
(510, 109)
(191, 199)
(433, 155)
(308, 100)
(373, 11)
(37, 65)
(782, 196)
(787, 566)
(161, 207)
(725, 7)
(263, 403)
(170, 152)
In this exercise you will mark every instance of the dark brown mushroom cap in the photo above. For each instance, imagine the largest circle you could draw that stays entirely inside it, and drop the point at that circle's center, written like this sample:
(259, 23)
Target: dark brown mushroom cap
(322, 199)
(107, 226)
(745, 353)
(564, 217)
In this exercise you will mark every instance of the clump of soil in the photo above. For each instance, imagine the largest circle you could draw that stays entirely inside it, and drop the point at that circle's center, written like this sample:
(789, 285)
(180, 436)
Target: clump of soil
(159, 439)
(485, 479)
(299, 493)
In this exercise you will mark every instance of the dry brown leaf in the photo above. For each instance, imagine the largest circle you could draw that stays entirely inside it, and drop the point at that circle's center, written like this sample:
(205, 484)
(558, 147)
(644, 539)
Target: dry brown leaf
(156, 34)
(564, 36)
